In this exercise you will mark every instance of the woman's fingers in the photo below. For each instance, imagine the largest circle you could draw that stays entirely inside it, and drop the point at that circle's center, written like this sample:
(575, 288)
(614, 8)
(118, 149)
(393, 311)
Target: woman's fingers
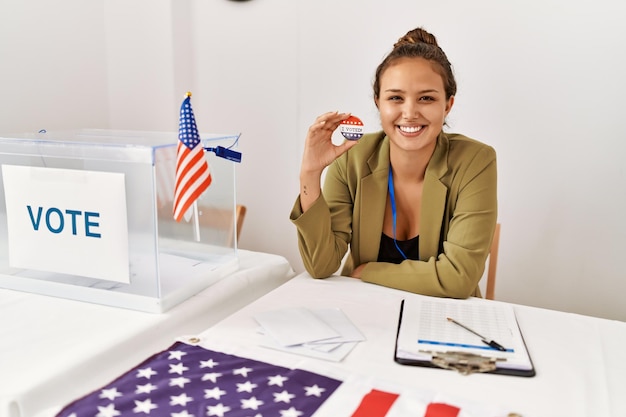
(320, 151)
(328, 121)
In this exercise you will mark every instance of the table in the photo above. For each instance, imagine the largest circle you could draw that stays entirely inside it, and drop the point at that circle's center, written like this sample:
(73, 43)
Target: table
(53, 350)
(579, 360)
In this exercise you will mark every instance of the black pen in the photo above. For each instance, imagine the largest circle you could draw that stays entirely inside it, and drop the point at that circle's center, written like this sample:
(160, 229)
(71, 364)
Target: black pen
(491, 343)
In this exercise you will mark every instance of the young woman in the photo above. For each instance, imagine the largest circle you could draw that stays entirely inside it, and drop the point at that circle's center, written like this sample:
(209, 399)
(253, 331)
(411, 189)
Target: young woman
(416, 206)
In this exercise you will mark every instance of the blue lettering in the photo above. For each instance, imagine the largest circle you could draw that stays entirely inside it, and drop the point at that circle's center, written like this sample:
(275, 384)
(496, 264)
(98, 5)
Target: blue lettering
(34, 222)
(73, 213)
(61, 221)
(88, 224)
(55, 220)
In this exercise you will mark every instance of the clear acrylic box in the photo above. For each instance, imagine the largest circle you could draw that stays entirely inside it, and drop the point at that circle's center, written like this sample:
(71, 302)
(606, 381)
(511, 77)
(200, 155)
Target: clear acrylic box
(87, 215)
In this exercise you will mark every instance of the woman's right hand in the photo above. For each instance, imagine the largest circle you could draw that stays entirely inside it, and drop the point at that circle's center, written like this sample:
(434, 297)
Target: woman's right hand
(319, 150)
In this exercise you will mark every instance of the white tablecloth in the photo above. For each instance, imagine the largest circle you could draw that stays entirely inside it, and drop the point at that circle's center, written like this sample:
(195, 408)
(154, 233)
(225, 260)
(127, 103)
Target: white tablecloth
(53, 350)
(579, 360)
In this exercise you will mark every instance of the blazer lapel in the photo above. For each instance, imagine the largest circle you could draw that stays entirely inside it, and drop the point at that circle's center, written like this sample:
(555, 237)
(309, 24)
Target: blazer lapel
(434, 202)
(374, 191)
(373, 198)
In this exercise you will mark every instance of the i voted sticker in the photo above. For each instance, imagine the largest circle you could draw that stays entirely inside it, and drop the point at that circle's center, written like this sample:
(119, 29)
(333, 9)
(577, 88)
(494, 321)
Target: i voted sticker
(351, 128)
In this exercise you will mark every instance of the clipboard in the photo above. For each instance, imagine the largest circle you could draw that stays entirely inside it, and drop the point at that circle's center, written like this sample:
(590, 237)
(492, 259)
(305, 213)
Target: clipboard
(425, 338)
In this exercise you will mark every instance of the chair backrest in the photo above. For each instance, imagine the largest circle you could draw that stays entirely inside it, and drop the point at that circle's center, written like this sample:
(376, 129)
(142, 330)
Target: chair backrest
(223, 219)
(493, 264)
(240, 213)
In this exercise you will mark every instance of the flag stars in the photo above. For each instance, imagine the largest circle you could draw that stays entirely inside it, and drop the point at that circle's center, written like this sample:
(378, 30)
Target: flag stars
(179, 382)
(249, 388)
(144, 406)
(183, 413)
(110, 394)
(108, 411)
(243, 371)
(145, 373)
(215, 393)
(217, 410)
(145, 389)
(177, 354)
(277, 380)
(246, 387)
(178, 368)
(181, 399)
(211, 377)
(314, 390)
(251, 403)
(283, 396)
(291, 412)
(208, 364)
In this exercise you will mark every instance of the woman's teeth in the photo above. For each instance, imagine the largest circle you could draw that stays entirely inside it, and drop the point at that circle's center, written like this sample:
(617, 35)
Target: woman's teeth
(410, 129)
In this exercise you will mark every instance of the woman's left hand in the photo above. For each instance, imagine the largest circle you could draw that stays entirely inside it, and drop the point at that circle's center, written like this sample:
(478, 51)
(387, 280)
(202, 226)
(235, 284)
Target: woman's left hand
(356, 273)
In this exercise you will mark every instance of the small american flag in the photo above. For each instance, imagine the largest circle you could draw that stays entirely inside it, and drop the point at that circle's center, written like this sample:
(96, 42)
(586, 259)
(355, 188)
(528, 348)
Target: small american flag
(192, 170)
(187, 380)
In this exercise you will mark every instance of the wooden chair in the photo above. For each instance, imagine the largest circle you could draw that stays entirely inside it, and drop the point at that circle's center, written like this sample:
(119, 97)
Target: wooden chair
(222, 219)
(492, 265)
(240, 214)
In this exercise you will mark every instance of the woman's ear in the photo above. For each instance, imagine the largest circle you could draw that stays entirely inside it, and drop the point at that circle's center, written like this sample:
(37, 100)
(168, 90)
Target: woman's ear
(449, 104)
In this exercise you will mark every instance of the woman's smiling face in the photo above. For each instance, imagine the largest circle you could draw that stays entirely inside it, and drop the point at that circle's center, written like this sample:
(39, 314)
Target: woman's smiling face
(412, 104)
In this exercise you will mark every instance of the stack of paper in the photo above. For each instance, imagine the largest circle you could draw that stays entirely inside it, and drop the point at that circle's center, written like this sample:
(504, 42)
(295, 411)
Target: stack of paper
(322, 333)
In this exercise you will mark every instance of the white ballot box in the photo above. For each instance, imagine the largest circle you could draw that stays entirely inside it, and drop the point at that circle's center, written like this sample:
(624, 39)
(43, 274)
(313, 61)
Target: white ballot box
(88, 215)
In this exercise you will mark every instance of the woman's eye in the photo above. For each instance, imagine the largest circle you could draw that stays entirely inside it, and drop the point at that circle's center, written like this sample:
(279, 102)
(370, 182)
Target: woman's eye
(394, 98)
(427, 98)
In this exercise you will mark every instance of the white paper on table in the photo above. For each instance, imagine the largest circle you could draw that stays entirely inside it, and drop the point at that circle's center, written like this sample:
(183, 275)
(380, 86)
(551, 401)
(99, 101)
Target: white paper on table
(336, 355)
(294, 326)
(336, 319)
(333, 349)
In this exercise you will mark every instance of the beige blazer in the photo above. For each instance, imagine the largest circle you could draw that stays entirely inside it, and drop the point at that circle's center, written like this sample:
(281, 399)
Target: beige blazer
(459, 213)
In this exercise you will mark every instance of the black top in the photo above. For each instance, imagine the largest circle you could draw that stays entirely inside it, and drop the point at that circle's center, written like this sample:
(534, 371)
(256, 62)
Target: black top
(387, 251)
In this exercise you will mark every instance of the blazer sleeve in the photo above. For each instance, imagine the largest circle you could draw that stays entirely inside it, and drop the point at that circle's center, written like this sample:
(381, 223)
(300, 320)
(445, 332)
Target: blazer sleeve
(321, 249)
(467, 233)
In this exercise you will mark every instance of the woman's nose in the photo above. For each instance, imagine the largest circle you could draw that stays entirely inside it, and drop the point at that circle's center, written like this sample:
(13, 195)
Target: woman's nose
(410, 111)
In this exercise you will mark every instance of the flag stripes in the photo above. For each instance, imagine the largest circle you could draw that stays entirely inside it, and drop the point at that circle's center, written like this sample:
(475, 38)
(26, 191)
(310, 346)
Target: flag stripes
(192, 171)
(192, 178)
(441, 410)
(376, 403)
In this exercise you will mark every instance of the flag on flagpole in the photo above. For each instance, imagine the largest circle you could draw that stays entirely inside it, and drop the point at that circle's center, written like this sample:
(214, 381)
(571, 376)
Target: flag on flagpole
(192, 170)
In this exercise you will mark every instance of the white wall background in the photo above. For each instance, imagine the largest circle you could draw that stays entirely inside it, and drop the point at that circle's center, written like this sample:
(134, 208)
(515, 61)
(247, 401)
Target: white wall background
(542, 81)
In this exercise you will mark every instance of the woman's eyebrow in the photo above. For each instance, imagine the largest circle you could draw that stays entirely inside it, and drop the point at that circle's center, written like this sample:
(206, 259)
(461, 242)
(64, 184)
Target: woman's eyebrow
(398, 90)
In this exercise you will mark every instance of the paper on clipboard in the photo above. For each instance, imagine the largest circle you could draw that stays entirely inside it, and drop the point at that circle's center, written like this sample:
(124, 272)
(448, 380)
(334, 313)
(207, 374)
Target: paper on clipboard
(424, 332)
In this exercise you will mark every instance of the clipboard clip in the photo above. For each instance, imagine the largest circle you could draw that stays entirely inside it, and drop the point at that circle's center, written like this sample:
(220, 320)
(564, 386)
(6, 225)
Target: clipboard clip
(463, 362)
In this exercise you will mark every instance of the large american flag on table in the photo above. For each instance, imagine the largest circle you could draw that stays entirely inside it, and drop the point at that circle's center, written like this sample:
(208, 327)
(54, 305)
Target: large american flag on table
(192, 170)
(188, 380)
